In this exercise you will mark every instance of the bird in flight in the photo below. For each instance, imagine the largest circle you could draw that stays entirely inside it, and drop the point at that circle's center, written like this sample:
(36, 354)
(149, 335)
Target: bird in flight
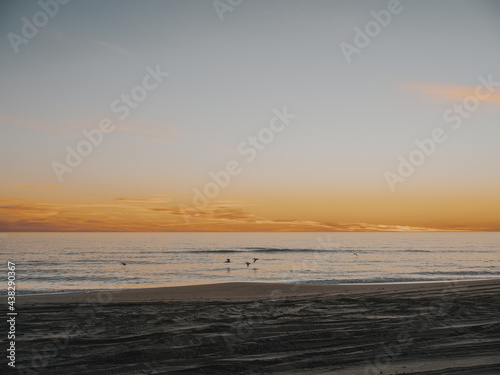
(255, 259)
(355, 254)
(228, 260)
(123, 263)
(248, 263)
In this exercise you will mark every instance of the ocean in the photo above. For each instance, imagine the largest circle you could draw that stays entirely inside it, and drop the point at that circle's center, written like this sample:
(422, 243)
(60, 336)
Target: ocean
(61, 262)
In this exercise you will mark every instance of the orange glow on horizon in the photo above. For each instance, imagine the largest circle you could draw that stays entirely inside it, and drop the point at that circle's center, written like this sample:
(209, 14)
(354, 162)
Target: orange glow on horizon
(346, 212)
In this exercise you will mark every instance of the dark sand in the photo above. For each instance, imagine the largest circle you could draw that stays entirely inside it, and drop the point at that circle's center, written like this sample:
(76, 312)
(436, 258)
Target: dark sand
(260, 328)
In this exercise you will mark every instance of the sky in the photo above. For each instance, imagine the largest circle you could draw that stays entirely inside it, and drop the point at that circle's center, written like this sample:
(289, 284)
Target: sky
(249, 115)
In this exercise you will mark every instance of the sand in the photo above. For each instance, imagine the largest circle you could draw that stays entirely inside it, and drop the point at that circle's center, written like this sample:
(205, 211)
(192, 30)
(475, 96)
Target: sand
(261, 328)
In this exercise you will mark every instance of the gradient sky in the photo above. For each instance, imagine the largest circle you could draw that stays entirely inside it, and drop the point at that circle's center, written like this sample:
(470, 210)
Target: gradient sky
(324, 172)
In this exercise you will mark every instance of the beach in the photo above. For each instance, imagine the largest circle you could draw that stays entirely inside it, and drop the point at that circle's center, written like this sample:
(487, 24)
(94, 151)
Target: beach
(255, 328)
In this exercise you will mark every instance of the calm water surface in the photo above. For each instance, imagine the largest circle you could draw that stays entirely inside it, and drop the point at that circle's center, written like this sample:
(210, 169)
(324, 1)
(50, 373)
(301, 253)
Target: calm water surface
(50, 262)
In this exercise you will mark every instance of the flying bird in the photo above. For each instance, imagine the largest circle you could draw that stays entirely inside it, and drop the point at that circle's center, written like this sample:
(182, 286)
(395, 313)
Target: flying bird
(248, 263)
(123, 263)
(228, 260)
(355, 254)
(255, 259)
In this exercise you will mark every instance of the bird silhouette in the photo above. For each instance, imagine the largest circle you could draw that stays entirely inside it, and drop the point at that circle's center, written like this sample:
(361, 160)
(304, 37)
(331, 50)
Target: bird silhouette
(355, 254)
(255, 259)
(248, 263)
(123, 263)
(228, 260)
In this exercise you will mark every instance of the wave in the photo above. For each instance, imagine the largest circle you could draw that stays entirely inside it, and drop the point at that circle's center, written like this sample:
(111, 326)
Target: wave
(380, 280)
(45, 291)
(277, 250)
(463, 273)
(208, 251)
(291, 250)
(415, 251)
(266, 250)
(338, 250)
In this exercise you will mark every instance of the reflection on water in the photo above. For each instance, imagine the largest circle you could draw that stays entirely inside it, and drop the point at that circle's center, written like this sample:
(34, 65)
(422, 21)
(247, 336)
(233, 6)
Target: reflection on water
(82, 261)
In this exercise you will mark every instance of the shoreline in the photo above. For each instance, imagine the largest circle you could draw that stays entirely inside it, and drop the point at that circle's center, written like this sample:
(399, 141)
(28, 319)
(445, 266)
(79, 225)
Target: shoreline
(241, 291)
(309, 282)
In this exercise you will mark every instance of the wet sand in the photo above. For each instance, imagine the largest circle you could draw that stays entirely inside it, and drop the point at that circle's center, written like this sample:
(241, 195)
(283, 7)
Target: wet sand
(260, 328)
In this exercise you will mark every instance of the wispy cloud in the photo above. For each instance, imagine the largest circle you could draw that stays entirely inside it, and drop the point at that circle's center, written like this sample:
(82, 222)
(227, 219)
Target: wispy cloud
(151, 131)
(59, 36)
(49, 187)
(232, 213)
(449, 93)
(152, 214)
(25, 123)
(143, 200)
(9, 200)
(30, 208)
